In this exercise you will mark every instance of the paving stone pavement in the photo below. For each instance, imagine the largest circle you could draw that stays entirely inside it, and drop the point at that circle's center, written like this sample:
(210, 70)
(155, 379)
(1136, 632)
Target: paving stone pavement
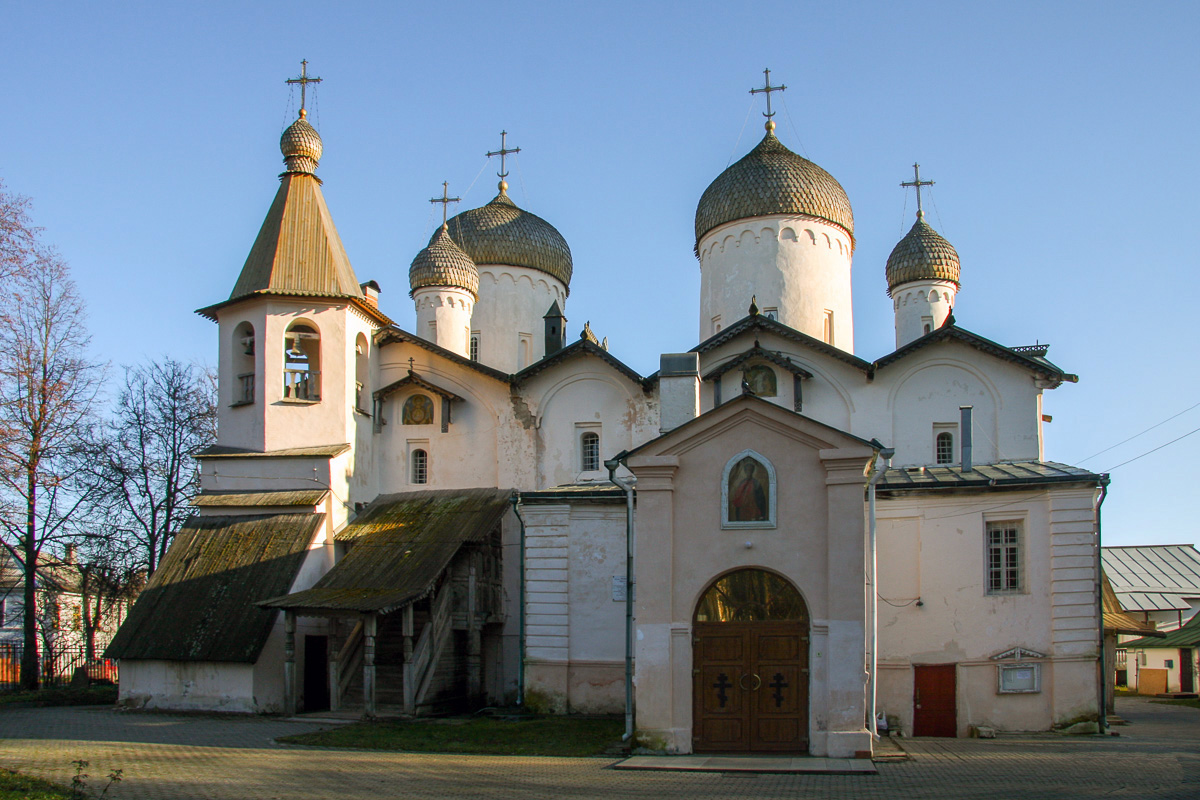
(168, 757)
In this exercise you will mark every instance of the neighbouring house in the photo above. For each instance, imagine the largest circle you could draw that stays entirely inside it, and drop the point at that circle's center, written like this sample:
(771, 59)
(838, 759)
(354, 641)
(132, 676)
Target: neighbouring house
(1166, 663)
(1118, 623)
(778, 539)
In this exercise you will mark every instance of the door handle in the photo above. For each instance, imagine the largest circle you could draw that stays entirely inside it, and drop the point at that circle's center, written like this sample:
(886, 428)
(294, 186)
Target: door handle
(741, 683)
(757, 683)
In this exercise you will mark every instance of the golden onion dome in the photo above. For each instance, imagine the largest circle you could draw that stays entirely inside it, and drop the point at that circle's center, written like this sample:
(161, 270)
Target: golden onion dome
(301, 146)
(502, 233)
(922, 255)
(443, 263)
(771, 179)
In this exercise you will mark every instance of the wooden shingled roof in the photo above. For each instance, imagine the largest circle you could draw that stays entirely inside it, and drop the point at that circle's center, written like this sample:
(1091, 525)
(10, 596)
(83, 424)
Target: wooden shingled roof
(400, 546)
(200, 602)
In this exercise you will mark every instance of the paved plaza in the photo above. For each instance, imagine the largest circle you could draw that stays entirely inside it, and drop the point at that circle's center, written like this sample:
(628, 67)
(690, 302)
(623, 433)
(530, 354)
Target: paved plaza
(167, 757)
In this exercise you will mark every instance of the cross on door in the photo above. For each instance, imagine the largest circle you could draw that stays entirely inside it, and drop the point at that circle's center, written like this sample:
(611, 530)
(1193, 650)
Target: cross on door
(721, 685)
(778, 684)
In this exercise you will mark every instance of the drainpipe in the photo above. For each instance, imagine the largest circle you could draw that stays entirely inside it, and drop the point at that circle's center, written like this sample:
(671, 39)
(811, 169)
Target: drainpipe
(877, 473)
(965, 446)
(516, 505)
(627, 486)
(1102, 719)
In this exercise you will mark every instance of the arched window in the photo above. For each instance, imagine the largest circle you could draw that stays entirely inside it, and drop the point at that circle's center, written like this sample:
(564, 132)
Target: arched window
(748, 492)
(751, 595)
(761, 380)
(360, 372)
(243, 364)
(302, 362)
(420, 466)
(589, 448)
(944, 446)
(418, 410)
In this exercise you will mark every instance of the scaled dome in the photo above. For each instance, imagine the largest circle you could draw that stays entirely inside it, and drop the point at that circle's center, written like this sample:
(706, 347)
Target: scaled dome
(771, 179)
(301, 146)
(502, 233)
(443, 263)
(922, 255)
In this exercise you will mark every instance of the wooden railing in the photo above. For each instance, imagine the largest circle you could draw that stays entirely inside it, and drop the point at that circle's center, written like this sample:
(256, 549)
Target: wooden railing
(429, 646)
(301, 384)
(245, 388)
(349, 660)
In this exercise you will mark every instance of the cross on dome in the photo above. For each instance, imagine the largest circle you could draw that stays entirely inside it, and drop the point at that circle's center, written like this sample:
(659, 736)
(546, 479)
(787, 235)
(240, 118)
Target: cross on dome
(918, 183)
(767, 89)
(304, 81)
(445, 200)
(502, 152)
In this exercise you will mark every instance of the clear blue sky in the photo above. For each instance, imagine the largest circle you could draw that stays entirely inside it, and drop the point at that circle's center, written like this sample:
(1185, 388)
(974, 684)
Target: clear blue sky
(1062, 137)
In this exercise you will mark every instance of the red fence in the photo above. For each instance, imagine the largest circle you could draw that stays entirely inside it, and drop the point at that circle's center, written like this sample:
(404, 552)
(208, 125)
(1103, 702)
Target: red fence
(57, 667)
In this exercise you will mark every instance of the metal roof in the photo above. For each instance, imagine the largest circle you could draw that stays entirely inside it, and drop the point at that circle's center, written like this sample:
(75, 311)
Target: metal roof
(771, 179)
(443, 263)
(200, 602)
(1187, 636)
(304, 497)
(923, 254)
(1007, 473)
(1116, 620)
(401, 545)
(1154, 572)
(318, 451)
(1153, 601)
(1031, 358)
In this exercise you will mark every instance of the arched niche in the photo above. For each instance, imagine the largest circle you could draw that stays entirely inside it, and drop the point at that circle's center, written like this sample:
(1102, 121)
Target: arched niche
(302, 362)
(748, 492)
(243, 350)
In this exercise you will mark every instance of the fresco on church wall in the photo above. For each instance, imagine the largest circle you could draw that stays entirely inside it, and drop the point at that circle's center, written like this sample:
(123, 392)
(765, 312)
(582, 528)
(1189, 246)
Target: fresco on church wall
(761, 381)
(749, 492)
(418, 410)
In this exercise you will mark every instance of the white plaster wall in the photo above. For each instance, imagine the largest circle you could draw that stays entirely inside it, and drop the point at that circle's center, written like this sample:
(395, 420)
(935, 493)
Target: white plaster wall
(513, 301)
(800, 265)
(920, 303)
(444, 317)
(1157, 658)
(188, 685)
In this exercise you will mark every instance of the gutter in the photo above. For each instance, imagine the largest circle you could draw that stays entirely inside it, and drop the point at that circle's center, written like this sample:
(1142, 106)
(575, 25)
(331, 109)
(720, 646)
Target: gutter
(627, 486)
(877, 473)
(516, 506)
(1102, 717)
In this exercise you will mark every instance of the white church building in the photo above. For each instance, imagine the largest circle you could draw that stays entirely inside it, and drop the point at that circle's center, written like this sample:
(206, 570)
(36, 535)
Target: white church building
(795, 540)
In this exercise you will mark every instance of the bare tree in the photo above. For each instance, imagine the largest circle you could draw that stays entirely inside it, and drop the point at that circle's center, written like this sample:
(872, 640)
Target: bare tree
(107, 578)
(47, 386)
(18, 236)
(144, 473)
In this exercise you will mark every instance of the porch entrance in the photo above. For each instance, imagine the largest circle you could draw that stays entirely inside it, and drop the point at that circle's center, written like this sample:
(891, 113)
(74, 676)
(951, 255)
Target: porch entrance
(750, 666)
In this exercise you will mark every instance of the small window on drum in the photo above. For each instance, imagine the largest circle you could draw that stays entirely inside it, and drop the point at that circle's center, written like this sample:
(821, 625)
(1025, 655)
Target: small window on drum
(945, 447)
(420, 466)
(589, 447)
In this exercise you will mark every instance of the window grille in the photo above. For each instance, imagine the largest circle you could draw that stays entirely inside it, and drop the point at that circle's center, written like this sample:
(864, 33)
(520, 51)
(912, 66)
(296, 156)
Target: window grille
(945, 447)
(1003, 557)
(590, 447)
(420, 466)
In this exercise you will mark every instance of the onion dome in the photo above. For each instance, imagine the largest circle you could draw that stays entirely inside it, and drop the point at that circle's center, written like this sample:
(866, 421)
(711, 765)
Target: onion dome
(502, 233)
(301, 146)
(771, 179)
(922, 255)
(443, 263)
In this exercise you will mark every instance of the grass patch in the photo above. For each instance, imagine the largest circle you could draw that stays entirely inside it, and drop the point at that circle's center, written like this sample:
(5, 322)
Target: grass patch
(1191, 702)
(98, 695)
(15, 786)
(535, 736)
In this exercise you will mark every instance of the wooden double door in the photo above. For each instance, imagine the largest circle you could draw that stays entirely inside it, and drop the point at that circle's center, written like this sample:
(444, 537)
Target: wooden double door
(750, 687)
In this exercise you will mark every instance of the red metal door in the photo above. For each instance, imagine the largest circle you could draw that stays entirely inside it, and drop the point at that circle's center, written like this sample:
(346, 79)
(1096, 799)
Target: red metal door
(934, 700)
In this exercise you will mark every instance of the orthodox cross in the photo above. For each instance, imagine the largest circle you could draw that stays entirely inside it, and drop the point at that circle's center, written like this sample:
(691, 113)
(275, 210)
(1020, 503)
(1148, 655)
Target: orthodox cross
(779, 684)
(304, 81)
(917, 182)
(721, 685)
(768, 89)
(502, 152)
(445, 200)
(410, 363)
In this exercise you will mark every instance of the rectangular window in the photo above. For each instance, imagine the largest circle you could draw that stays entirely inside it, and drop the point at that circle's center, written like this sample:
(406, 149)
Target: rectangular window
(944, 434)
(587, 442)
(418, 461)
(475, 346)
(771, 313)
(524, 350)
(1004, 557)
(716, 324)
(827, 333)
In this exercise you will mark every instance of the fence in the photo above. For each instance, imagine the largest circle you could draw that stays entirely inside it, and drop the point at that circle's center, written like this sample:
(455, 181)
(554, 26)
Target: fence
(57, 667)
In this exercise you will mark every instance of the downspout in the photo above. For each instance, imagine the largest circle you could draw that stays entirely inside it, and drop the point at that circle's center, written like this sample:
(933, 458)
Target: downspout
(872, 686)
(516, 505)
(627, 486)
(1102, 717)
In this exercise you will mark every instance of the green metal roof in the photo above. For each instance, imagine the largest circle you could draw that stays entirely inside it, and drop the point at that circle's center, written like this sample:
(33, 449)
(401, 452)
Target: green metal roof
(1187, 636)
(200, 602)
(400, 546)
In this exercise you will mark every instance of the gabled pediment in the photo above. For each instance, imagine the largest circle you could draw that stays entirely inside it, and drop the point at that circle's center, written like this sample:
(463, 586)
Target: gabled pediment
(1017, 654)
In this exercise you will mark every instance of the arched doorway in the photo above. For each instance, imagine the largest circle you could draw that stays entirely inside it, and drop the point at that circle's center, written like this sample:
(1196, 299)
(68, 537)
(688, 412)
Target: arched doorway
(750, 665)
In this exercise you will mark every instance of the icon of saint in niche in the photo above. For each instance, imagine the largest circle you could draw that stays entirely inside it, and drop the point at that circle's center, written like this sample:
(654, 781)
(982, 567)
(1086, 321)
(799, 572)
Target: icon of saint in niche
(418, 410)
(749, 486)
(760, 380)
